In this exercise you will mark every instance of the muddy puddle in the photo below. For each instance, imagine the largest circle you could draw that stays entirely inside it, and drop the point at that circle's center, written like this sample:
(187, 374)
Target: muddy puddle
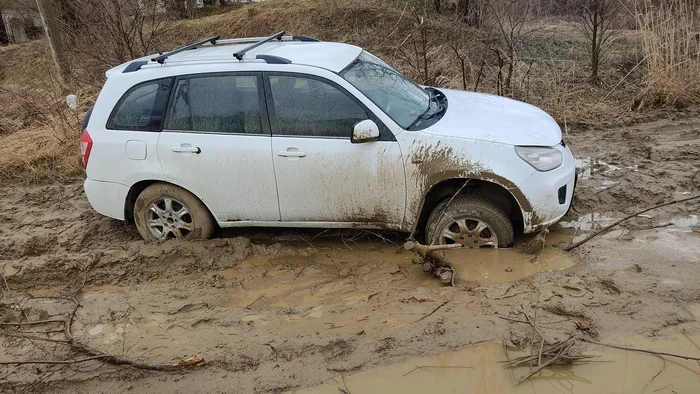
(596, 220)
(588, 167)
(327, 273)
(332, 272)
(509, 265)
(309, 290)
(588, 222)
(478, 369)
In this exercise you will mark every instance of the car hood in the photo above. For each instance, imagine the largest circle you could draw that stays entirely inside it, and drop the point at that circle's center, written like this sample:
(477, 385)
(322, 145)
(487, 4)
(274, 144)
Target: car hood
(496, 119)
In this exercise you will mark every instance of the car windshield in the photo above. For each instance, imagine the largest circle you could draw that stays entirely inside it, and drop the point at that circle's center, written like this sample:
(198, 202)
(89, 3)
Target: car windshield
(400, 98)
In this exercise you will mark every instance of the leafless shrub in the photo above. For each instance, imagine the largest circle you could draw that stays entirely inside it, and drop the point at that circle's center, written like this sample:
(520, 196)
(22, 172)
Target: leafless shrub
(104, 33)
(470, 12)
(506, 28)
(415, 50)
(596, 18)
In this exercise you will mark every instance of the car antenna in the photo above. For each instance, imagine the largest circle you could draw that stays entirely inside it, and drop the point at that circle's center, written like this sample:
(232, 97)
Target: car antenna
(161, 59)
(239, 55)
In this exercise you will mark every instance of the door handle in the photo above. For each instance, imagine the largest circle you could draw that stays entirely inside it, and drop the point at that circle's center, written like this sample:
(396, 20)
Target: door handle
(291, 153)
(187, 149)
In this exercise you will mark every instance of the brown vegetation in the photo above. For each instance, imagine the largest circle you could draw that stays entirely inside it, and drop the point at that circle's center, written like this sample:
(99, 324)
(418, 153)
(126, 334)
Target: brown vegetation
(530, 50)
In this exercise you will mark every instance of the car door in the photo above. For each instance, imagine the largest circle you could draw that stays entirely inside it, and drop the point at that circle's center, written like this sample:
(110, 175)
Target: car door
(322, 176)
(216, 143)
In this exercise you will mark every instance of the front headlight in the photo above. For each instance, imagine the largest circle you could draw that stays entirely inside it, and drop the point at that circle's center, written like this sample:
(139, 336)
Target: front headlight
(540, 157)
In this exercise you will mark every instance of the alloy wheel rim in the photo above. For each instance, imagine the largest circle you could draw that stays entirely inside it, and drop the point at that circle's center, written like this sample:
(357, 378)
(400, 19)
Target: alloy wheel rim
(168, 218)
(470, 232)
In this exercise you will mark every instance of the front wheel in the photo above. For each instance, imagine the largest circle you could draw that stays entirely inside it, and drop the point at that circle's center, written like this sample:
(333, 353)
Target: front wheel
(163, 211)
(471, 220)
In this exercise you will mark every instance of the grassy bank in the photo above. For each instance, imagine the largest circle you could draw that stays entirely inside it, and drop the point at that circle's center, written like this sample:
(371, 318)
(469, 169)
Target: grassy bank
(654, 66)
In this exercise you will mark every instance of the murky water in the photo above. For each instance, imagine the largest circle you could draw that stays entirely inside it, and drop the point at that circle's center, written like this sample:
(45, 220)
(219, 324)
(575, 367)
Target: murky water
(332, 273)
(588, 222)
(688, 221)
(587, 167)
(508, 265)
(597, 220)
(479, 369)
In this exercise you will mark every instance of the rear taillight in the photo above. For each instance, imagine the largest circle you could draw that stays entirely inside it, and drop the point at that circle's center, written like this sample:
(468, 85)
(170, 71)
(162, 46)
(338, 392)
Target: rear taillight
(85, 147)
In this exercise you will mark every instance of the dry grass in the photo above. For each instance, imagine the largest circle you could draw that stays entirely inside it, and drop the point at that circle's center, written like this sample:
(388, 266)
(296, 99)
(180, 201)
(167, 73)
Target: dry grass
(36, 155)
(39, 133)
(671, 45)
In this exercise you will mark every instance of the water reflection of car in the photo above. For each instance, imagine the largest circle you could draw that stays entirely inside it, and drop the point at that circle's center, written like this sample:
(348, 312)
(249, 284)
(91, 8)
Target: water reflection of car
(289, 131)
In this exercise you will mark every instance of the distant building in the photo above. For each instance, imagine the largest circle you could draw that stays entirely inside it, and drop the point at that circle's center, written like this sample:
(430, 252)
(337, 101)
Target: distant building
(21, 26)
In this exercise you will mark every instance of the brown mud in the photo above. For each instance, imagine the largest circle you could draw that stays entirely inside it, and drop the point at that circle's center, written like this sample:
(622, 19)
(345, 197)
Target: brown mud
(284, 310)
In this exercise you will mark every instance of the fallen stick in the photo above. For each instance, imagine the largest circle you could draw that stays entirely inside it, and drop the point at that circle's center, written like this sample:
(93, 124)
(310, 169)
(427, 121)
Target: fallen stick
(256, 300)
(663, 368)
(631, 349)
(80, 360)
(444, 209)
(31, 323)
(437, 367)
(433, 311)
(549, 352)
(531, 361)
(432, 262)
(421, 249)
(607, 228)
(568, 346)
(91, 353)
(503, 297)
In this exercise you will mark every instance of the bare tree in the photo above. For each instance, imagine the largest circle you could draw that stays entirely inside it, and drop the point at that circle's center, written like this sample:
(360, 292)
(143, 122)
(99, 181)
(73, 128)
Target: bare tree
(508, 25)
(110, 32)
(414, 50)
(470, 12)
(597, 17)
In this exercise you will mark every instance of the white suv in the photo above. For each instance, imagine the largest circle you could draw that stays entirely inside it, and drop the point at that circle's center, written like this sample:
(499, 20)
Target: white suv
(289, 131)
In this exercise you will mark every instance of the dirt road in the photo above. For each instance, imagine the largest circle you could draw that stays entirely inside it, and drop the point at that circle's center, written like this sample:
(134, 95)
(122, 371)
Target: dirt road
(276, 311)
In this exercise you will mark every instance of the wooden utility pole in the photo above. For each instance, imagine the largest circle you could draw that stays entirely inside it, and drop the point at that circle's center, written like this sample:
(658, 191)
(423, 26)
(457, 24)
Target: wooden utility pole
(50, 22)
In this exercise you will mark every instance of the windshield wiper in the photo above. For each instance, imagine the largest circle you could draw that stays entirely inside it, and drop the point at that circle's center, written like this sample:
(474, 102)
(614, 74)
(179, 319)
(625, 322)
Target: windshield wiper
(435, 96)
(428, 113)
(431, 111)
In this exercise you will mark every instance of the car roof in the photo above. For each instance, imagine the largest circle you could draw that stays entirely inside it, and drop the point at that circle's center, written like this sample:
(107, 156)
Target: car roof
(332, 56)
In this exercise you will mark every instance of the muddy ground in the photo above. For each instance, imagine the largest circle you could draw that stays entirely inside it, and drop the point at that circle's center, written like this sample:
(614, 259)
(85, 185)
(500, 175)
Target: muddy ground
(276, 310)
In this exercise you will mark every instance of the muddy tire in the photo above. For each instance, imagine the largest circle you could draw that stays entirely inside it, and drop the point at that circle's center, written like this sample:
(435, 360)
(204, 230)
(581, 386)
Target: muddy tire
(473, 221)
(163, 211)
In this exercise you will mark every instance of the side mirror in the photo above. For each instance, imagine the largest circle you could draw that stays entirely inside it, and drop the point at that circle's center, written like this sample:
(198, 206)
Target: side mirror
(365, 131)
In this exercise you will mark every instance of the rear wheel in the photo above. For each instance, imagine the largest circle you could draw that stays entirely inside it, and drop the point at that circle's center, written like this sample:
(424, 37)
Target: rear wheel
(470, 220)
(163, 211)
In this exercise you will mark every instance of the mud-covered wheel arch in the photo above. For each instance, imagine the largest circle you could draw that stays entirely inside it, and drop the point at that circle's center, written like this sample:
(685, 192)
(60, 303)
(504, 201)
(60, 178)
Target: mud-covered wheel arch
(134, 192)
(131, 197)
(447, 188)
(164, 211)
(471, 220)
(203, 220)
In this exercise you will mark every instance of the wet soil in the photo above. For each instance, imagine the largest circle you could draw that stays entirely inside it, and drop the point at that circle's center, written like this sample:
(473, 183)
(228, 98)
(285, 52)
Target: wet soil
(479, 369)
(280, 310)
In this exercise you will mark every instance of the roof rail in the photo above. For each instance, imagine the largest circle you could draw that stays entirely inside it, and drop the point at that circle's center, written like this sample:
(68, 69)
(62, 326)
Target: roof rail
(252, 40)
(161, 59)
(239, 55)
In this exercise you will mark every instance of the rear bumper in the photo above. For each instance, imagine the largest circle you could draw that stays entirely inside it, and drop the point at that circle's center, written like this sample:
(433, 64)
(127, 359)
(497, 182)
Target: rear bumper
(549, 195)
(107, 198)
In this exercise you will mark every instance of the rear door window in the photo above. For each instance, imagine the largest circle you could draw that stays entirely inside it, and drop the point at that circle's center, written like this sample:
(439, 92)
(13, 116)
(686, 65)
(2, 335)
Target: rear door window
(229, 104)
(142, 107)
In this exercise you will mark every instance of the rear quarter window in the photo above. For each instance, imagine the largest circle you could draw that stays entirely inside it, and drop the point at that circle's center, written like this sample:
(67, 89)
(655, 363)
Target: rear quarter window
(142, 108)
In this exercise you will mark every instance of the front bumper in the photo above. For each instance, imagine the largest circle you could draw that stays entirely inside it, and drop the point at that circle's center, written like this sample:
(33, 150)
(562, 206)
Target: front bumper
(107, 198)
(548, 194)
